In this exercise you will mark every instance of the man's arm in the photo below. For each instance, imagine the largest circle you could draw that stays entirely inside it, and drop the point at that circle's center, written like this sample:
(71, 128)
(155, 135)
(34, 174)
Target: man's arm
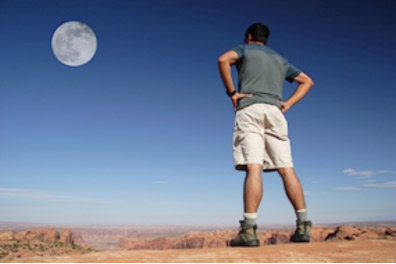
(305, 83)
(225, 62)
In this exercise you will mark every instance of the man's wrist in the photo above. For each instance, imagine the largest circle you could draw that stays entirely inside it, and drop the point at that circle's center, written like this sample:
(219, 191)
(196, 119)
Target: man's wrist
(231, 93)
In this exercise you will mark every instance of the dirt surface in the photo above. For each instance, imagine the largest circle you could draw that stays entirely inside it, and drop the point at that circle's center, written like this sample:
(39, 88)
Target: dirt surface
(337, 251)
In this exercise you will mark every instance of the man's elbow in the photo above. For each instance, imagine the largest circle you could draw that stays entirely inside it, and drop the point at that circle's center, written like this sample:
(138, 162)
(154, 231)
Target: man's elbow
(307, 81)
(222, 60)
(310, 82)
(304, 79)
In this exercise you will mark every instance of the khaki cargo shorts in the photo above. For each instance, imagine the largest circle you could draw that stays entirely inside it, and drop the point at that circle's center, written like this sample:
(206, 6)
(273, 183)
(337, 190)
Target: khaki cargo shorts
(261, 137)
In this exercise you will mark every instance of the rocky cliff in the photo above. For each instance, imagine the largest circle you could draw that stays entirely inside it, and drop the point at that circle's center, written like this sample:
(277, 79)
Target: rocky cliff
(219, 239)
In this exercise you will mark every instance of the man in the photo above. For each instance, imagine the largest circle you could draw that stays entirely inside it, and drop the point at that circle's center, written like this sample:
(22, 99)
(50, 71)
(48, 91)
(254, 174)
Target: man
(260, 140)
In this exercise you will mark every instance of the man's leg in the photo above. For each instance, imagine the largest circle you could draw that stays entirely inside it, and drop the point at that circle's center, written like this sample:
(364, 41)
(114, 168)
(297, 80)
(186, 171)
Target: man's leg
(252, 194)
(253, 188)
(293, 188)
(295, 194)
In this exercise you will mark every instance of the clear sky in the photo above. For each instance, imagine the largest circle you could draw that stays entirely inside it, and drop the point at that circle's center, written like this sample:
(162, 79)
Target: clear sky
(142, 134)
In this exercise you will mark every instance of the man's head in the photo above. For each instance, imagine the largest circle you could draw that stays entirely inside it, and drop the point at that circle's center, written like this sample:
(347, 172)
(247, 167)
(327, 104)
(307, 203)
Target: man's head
(257, 32)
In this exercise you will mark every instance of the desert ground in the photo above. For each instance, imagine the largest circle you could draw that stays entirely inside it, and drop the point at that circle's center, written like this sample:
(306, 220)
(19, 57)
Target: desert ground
(344, 243)
(339, 251)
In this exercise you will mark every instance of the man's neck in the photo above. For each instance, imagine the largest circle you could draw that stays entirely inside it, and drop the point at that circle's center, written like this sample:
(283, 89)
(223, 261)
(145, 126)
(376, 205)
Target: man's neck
(256, 42)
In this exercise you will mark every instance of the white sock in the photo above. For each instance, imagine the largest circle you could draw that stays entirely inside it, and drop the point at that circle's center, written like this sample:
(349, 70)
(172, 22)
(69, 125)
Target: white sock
(302, 215)
(250, 218)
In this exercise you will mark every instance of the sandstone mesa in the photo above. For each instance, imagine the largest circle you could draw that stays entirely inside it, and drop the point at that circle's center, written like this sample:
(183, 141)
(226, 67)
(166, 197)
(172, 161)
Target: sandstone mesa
(38, 242)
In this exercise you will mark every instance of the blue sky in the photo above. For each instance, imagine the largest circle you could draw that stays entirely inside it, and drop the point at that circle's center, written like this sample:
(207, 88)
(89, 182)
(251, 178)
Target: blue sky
(142, 133)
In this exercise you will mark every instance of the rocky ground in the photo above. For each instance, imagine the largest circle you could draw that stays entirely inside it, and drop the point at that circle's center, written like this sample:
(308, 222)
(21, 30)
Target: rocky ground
(219, 239)
(340, 244)
(338, 251)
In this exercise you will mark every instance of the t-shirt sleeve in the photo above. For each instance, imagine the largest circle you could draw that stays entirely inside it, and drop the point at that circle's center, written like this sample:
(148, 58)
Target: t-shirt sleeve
(240, 51)
(292, 72)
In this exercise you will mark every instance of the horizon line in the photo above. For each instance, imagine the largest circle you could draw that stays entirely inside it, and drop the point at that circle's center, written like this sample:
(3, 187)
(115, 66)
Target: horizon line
(335, 223)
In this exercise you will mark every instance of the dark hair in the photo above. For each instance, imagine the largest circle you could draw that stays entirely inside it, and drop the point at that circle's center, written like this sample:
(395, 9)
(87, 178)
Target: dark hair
(259, 32)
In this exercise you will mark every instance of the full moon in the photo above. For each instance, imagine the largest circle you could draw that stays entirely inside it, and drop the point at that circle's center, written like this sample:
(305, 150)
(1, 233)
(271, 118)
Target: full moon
(74, 43)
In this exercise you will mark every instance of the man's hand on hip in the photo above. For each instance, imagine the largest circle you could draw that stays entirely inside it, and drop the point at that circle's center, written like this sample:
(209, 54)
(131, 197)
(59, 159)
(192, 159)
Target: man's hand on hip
(285, 107)
(235, 98)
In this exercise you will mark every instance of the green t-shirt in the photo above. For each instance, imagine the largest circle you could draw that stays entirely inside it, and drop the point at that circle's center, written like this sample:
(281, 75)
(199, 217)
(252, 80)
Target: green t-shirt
(261, 72)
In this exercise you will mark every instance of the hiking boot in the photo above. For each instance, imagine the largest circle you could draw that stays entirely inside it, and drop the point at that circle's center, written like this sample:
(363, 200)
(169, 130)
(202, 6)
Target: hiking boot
(247, 236)
(303, 232)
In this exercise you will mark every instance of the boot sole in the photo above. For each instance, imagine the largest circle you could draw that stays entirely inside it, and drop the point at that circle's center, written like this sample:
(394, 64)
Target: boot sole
(302, 239)
(252, 243)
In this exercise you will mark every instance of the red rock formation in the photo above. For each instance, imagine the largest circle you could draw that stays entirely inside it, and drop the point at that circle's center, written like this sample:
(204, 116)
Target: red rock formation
(391, 231)
(356, 233)
(320, 234)
(7, 235)
(66, 236)
(48, 235)
(37, 242)
(344, 233)
(189, 240)
(279, 238)
(220, 239)
(44, 235)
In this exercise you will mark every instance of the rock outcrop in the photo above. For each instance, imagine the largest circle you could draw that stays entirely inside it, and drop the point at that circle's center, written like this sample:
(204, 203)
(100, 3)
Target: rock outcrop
(189, 240)
(358, 233)
(45, 235)
(39, 242)
(219, 239)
